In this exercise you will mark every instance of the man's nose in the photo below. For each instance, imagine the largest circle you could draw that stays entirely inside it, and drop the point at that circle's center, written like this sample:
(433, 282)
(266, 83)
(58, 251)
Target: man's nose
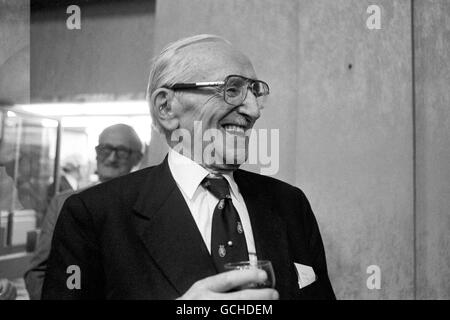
(250, 106)
(112, 156)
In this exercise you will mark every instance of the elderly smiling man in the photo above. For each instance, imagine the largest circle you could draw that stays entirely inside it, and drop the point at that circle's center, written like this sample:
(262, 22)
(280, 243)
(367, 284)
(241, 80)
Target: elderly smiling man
(166, 232)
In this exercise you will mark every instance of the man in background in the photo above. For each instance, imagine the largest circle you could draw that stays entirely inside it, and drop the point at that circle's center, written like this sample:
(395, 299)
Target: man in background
(119, 150)
(70, 176)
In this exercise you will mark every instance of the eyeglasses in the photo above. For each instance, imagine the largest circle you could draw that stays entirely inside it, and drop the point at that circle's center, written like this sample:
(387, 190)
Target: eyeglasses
(105, 150)
(234, 88)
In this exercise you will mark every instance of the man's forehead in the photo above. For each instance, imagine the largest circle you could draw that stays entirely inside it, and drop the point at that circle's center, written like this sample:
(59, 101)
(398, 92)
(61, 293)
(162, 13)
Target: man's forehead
(219, 59)
(116, 138)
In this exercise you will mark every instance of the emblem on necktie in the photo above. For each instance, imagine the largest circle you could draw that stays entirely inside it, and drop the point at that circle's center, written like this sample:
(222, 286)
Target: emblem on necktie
(221, 204)
(222, 251)
(239, 227)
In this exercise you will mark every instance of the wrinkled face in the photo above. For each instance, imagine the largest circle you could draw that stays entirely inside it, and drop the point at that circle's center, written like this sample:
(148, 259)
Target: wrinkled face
(111, 166)
(219, 128)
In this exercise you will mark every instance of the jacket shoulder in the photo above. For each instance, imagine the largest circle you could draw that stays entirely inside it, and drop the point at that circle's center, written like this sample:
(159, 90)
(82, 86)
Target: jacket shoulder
(109, 196)
(123, 185)
(273, 185)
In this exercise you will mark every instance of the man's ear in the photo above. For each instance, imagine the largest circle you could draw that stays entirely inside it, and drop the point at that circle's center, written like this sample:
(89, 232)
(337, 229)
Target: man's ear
(162, 100)
(137, 157)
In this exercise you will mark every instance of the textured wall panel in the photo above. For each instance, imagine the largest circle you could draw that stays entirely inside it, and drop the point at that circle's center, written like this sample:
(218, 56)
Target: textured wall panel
(432, 56)
(354, 138)
(109, 55)
(14, 51)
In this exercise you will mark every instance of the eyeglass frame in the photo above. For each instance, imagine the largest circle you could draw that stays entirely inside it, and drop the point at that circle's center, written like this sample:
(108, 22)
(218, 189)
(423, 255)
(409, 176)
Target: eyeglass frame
(115, 149)
(194, 85)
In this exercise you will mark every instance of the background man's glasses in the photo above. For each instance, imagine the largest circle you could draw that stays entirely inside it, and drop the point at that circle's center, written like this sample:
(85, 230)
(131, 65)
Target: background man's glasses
(234, 88)
(105, 150)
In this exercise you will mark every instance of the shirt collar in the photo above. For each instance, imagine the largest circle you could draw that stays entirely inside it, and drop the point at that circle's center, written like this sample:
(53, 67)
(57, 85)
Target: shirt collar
(233, 186)
(188, 174)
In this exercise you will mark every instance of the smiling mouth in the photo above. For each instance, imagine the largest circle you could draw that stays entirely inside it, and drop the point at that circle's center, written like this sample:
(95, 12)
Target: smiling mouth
(234, 129)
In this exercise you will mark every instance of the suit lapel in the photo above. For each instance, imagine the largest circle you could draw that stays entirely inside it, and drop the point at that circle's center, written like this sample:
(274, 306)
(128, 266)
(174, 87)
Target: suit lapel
(169, 231)
(170, 234)
(269, 232)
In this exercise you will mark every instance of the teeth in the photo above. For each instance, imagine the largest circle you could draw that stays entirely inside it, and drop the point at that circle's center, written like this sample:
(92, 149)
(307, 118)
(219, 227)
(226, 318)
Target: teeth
(234, 128)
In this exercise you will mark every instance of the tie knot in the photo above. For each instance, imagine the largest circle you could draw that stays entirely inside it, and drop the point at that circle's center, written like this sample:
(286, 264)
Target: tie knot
(218, 186)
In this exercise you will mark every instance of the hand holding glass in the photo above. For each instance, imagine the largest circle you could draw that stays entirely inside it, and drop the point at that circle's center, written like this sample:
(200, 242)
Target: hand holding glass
(259, 264)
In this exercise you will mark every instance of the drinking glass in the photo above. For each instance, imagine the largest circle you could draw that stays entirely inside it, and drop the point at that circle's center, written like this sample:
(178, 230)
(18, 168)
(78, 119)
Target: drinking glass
(265, 265)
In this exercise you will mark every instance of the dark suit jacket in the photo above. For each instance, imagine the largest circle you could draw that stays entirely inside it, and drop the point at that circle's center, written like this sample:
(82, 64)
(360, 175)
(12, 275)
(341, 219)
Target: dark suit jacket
(34, 276)
(135, 238)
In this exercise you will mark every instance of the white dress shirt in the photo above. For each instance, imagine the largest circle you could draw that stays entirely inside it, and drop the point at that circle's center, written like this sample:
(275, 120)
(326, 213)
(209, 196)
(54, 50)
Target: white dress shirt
(188, 175)
(72, 181)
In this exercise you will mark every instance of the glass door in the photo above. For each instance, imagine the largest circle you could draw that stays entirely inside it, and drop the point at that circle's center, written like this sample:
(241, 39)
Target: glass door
(29, 157)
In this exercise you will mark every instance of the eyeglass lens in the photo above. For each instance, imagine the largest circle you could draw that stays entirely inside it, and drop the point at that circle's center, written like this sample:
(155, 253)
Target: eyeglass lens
(236, 89)
(106, 150)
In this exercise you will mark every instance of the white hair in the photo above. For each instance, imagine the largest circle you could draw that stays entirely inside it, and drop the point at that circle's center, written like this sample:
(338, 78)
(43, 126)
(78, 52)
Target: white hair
(170, 67)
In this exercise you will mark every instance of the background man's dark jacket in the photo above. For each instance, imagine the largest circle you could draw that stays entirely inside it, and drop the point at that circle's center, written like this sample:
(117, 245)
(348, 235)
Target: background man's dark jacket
(135, 238)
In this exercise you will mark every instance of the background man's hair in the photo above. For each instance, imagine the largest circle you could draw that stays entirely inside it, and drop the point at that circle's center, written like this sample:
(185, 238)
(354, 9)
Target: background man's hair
(170, 67)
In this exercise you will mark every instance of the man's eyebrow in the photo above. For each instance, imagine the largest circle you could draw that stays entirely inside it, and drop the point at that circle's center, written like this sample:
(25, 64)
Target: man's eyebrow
(114, 146)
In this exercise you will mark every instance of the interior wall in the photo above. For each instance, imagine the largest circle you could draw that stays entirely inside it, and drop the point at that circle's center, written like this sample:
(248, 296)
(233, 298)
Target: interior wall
(432, 105)
(354, 138)
(14, 51)
(107, 57)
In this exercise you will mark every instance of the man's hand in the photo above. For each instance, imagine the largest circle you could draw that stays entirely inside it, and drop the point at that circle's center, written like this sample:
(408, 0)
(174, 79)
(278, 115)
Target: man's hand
(7, 290)
(216, 287)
